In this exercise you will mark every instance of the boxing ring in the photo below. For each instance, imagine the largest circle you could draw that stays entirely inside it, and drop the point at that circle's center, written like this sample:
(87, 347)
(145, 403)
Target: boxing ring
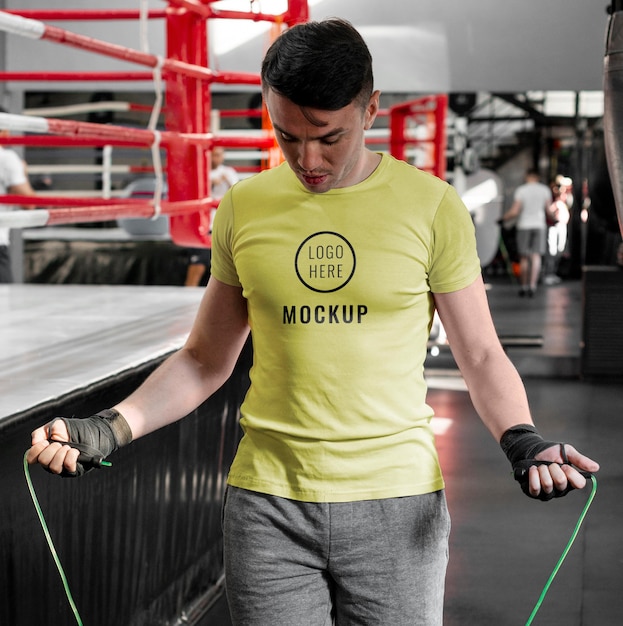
(187, 138)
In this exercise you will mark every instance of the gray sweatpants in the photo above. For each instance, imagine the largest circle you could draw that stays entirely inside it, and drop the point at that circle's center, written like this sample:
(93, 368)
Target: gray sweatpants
(290, 563)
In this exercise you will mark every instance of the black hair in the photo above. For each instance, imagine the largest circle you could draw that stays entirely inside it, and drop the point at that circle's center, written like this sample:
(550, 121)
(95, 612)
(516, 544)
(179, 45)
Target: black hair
(323, 65)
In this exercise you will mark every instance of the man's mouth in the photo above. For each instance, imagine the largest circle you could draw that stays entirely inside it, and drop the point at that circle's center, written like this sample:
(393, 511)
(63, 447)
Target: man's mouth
(314, 180)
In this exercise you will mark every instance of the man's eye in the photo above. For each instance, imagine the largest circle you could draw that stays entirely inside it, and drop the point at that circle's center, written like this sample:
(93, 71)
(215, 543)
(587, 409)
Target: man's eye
(287, 138)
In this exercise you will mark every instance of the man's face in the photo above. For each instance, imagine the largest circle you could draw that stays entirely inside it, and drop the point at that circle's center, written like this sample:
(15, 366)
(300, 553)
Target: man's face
(217, 157)
(325, 149)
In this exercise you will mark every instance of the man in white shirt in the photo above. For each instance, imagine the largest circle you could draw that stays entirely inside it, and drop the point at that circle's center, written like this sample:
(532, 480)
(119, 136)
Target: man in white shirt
(13, 180)
(222, 177)
(532, 201)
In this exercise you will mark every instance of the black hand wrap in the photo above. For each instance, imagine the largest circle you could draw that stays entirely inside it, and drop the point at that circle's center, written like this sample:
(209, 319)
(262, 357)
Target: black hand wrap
(521, 444)
(102, 433)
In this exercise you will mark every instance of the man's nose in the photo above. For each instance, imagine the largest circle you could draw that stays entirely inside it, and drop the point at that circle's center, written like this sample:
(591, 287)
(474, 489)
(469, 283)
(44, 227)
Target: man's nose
(310, 156)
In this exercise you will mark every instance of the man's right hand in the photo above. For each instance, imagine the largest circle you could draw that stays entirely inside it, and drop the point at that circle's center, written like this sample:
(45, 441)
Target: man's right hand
(52, 456)
(73, 446)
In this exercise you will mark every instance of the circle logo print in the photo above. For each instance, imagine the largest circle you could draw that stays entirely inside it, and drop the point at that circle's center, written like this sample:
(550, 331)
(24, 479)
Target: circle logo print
(325, 262)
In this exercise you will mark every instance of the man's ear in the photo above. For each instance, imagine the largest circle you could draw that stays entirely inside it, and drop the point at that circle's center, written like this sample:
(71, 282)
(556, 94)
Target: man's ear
(372, 110)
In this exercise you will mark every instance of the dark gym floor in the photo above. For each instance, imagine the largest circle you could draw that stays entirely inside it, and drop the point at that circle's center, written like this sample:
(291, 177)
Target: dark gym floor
(505, 546)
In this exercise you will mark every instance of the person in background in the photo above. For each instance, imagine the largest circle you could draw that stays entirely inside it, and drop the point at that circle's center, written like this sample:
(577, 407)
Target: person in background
(531, 204)
(557, 230)
(222, 177)
(335, 510)
(14, 181)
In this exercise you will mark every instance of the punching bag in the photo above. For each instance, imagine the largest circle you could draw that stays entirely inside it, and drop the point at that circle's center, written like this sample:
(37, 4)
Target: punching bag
(613, 103)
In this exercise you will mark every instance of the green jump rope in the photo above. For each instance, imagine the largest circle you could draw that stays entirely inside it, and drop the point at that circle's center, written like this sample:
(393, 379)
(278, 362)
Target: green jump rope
(98, 463)
(74, 608)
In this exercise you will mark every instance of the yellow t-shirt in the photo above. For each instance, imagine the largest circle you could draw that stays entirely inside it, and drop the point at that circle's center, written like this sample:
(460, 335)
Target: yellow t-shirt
(338, 288)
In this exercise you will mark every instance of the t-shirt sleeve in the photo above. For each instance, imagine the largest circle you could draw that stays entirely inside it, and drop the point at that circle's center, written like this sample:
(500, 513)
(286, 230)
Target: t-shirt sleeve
(222, 265)
(454, 257)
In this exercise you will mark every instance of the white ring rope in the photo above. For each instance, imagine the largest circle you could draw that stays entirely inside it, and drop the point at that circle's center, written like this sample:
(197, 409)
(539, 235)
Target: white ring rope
(106, 171)
(158, 90)
(143, 25)
(12, 122)
(155, 155)
(23, 26)
(77, 168)
(77, 109)
(24, 219)
(155, 146)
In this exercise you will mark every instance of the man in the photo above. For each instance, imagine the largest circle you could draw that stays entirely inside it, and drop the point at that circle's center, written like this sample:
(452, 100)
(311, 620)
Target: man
(531, 205)
(222, 177)
(13, 180)
(335, 507)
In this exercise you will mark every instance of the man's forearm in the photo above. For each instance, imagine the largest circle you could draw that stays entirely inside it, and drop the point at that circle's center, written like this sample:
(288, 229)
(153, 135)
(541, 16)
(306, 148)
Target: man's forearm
(171, 392)
(498, 394)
